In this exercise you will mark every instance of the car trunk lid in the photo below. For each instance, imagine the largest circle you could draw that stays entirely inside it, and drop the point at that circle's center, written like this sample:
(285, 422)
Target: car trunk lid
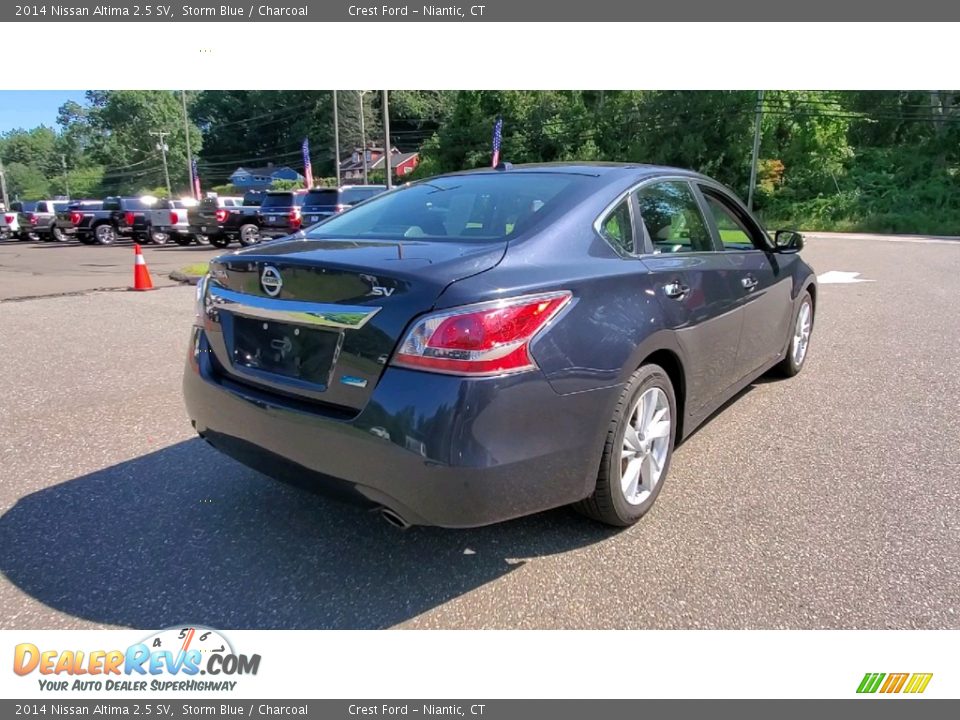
(319, 319)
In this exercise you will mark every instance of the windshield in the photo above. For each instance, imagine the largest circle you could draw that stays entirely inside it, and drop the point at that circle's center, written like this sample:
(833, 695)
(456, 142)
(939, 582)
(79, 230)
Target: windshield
(470, 207)
(351, 196)
(321, 198)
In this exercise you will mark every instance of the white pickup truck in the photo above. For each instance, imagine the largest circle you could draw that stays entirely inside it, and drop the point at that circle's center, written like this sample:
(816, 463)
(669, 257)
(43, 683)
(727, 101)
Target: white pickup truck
(9, 225)
(167, 220)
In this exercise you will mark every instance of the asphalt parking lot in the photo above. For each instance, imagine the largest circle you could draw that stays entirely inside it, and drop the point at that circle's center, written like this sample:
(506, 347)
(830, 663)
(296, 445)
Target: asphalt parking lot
(826, 501)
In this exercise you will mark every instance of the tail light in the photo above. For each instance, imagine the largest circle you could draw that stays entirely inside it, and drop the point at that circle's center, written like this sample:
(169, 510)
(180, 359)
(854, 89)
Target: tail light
(485, 339)
(295, 217)
(75, 218)
(32, 219)
(174, 217)
(129, 217)
(222, 215)
(9, 219)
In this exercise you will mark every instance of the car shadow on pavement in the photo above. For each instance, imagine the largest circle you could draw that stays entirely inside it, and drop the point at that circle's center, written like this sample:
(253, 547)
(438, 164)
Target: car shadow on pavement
(185, 534)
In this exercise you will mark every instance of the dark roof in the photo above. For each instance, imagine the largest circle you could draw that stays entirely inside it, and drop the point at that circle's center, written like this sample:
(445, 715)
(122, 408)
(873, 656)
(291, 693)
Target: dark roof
(266, 171)
(595, 169)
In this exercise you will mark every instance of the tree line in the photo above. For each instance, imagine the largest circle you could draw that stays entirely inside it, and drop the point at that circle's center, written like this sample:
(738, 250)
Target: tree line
(871, 160)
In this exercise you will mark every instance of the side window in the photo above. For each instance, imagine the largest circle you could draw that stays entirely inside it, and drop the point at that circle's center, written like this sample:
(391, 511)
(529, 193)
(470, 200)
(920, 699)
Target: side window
(733, 232)
(672, 217)
(617, 228)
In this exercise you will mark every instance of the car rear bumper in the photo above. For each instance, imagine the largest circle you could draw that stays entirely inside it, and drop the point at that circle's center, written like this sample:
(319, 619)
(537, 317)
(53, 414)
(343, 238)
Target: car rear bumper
(435, 449)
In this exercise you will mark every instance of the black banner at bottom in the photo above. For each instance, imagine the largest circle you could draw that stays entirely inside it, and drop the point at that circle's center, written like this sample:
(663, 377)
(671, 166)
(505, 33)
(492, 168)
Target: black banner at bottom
(873, 708)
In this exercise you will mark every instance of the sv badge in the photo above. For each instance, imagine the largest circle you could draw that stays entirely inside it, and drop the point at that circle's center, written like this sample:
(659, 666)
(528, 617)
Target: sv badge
(379, 291)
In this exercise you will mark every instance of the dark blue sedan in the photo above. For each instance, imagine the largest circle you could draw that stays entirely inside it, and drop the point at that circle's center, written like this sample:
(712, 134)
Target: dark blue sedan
(488, 344)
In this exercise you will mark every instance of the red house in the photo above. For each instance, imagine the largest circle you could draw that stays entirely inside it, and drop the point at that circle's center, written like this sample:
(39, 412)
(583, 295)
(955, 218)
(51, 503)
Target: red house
(400, 162)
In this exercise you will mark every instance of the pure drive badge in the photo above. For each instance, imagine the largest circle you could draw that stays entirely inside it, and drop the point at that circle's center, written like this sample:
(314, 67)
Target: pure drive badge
(270, 280)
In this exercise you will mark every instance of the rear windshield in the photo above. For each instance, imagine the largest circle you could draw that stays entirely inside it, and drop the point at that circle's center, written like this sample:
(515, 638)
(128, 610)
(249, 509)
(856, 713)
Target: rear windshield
(134, 204)
(322, 198)
(58, 206)
(25, 206)
(253, 199)
(351, 196)
(273, 200)
(488, 206)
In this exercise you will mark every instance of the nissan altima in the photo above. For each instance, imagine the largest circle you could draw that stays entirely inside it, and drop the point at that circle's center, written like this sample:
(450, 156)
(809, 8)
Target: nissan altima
(488, 344)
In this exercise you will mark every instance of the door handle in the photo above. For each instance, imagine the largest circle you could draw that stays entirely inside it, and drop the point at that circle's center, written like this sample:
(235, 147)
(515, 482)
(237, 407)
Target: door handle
(749, 282)
(675, 290)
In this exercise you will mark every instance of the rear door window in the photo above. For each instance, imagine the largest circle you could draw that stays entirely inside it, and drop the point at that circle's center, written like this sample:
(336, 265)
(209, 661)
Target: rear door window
(672, 217)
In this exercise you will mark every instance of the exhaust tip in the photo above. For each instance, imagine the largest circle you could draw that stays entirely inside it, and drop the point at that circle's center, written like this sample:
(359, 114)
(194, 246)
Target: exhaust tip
(394, 518)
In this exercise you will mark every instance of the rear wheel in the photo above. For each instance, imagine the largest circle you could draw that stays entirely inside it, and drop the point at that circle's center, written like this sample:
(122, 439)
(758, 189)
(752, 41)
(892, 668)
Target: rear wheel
(249, 235)
(799, 339)
(202, 239)
(159, 238)
(637, 450)
(220, 241)
(104, 234)
(57, 234)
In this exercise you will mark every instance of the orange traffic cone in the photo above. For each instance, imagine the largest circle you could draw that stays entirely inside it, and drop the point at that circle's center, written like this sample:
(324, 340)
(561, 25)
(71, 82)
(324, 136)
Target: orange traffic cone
(141, 276)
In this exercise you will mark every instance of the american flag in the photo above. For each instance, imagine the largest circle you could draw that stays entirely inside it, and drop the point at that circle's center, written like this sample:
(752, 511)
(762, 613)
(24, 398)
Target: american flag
(497, 137)
(195, 178)
(307, 167)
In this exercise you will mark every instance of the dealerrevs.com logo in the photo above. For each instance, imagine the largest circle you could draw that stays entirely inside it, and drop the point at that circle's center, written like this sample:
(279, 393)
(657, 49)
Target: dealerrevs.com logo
(172, 659)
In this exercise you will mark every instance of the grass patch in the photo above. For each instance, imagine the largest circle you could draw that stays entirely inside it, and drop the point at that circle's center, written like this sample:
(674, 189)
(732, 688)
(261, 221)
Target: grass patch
(195, 270)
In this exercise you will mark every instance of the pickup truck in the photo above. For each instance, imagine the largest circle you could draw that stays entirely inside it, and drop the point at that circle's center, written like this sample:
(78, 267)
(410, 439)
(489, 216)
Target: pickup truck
(39, 218)
(280, 212)
(221, 220)
(9, 226)
(168, 221)
(68, 218)
(119, 217)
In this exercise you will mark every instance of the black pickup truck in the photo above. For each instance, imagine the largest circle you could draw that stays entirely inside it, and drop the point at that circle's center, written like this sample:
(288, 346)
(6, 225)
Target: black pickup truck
(221, 220)
(119, 217)
(68, 218)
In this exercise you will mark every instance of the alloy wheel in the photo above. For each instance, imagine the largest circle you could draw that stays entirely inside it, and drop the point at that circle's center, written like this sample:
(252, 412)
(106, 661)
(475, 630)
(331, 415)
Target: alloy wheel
(646, 441)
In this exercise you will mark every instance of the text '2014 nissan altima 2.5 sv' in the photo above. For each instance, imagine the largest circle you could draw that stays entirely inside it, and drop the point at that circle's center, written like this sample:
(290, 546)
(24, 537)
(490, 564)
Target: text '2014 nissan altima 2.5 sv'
(488, 344)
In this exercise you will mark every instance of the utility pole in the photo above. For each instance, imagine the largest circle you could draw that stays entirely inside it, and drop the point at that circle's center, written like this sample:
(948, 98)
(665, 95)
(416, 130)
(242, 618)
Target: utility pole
(386, 140)
(363, 136)
(756, 150)
(3, 187)
(336, 137)
(162, 147)
(66, 179)
(186, 133)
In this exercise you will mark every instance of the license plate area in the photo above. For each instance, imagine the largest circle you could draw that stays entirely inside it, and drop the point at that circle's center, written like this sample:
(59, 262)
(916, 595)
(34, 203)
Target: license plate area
(280, 349)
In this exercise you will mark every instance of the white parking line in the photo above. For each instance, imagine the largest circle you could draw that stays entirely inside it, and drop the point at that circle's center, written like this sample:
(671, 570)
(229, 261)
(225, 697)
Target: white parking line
(840, 277)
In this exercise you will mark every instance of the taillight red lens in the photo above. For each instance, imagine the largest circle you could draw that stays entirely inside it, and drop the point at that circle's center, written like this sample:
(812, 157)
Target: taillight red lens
(32, 219)
(295, 217)
(485, 339)
(174, 218)
(9, 219)
(75, 218)
(222, 215)
(129, 217)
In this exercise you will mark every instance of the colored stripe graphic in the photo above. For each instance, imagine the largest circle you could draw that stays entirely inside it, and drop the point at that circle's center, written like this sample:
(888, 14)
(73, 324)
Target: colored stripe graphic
(870, 682)
(894, 682)
(918, 683)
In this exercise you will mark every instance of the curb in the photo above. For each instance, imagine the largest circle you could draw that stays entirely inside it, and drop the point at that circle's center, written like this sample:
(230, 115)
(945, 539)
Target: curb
(183, 278)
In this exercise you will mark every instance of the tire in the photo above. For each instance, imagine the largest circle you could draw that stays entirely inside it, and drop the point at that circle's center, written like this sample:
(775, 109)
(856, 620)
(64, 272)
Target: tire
(220, 241)
(183, 240)
(796, 356)
(202, 239)
(104, 234)
(86, 239)
(159, 238)
(57, 235)
(649, 387)
(249, 235)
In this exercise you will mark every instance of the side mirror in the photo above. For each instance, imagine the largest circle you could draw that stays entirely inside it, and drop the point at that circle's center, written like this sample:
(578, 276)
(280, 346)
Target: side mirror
(787, 241)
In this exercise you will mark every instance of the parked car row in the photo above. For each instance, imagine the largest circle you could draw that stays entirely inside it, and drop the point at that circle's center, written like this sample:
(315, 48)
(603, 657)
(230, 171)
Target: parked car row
(217, 220)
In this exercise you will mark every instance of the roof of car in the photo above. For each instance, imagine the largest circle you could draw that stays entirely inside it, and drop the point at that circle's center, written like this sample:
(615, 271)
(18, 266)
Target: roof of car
(590, 168)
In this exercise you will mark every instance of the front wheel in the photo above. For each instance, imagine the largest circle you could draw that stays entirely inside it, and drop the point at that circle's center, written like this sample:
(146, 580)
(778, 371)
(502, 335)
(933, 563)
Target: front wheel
(58, 235)
(202, 239)
(637, 450)
(183, 240)
(799, 340)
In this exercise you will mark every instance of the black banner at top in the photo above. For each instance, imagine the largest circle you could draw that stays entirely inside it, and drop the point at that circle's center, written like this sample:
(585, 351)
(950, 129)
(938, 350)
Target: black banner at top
(478, 11)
